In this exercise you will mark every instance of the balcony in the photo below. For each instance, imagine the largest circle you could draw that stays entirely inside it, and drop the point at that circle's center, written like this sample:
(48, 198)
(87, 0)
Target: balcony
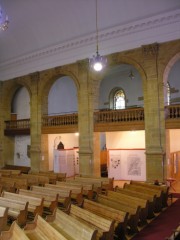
(104, 121)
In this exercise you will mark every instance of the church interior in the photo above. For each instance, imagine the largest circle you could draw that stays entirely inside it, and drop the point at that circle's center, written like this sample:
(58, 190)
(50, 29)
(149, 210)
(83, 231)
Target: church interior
(60, 115)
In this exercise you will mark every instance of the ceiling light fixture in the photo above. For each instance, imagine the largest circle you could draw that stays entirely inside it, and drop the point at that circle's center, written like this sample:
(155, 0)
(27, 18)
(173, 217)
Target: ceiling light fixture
(97, 62)
(4, 21)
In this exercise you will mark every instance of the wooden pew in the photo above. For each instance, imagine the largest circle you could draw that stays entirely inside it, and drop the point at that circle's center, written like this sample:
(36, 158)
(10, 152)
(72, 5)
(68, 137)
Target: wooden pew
(16, 181)
(23, 169)
(71, 227)
(152, 192)
(98, 184)
(87, 189)
(107, 183)
(35, 205)
(163, 188)
(76, 192)
(64, 196)
(14, 233)
(42, 179)
(31, 179)
(149, 197)
(39, 229)
(3, 218)
(105, 227)
(52, 178)
(132, 202)
(17, 210)
(120, 217)
(133, 218)
(7, 186)
(9, 172)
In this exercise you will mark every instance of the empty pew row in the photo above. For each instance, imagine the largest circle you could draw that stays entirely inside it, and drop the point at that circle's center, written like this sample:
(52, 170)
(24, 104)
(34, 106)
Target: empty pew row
(100, 184)
(76, 192)
(63, 199)
(152, 192)
(3, 218)
(104, 211)
(17, 210)
(105, 227)
(71, 227)
(133, 217)
(35, 205)
(53, 177)
(145, 212)
(23, 169)
(162, 188)
(13, 233)
(87, 189)
(148, 197)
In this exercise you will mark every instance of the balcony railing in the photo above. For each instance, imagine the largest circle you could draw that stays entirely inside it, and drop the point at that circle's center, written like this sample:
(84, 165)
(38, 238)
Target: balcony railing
(123, 115)
(130, 115)
(60, 120)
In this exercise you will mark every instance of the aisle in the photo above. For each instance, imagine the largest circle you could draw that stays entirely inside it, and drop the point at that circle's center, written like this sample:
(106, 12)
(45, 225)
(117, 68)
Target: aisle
(163, 225)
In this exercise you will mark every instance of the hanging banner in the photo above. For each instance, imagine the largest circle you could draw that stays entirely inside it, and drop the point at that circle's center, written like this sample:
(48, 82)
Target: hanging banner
(127, 164)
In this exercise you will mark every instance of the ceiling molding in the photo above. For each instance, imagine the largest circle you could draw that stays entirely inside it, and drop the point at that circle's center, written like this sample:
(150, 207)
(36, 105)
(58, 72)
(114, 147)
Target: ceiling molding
(81, 48)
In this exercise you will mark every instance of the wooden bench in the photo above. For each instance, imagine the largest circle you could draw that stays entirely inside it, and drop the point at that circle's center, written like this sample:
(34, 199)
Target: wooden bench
(87, 189)
(152, 192)
(35, 205)
(163, 188)
(133, 217)
(7, 186)
(9, 172)
(150, 198)
(76, 192)
(16, 181)
(17, 210)
(23, 169)
(64, 196)
(14, 233)
(105, 227)
(107, 183)
(42, 179)
(39, 229)
(52, 178)
(120, 217)
(133, 202)
(71, 227)
(3, 218)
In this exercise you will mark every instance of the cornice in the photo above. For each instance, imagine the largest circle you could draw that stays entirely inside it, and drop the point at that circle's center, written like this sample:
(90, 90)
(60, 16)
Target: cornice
(63, 49)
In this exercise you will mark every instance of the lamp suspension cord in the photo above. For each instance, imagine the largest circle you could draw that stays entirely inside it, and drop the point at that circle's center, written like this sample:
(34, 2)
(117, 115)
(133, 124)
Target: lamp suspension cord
(97, 48)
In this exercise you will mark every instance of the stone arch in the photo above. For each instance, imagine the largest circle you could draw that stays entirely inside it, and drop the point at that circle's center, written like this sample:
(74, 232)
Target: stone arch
(47, 84)
(9, 91)
(169, 66)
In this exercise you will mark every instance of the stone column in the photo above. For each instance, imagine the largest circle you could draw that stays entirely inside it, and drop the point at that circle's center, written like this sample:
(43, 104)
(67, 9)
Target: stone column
(35, 128)
(85, 120)
(154, 115)
(1, 125)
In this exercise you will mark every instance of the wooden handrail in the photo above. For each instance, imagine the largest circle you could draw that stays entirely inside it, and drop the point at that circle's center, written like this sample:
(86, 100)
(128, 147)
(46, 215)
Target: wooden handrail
(101, 116)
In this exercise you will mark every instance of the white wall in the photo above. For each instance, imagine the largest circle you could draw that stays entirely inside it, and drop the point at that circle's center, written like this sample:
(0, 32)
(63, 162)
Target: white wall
(125, 140)
(70, 140)
(174, 140)
(62, 96)
(20, 153)
(21, 104)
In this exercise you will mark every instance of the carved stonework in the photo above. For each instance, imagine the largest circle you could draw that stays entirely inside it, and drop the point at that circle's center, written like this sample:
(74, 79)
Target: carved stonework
(58, 69)
(150, 50)
(83, 65)
(114, 58)
(34, 76)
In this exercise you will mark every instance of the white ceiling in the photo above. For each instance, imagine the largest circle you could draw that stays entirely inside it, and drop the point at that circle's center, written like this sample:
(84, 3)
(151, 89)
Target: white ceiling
(49, 33)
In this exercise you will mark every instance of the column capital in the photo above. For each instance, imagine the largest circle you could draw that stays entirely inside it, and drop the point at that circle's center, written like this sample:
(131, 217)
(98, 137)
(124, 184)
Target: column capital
(150, 50)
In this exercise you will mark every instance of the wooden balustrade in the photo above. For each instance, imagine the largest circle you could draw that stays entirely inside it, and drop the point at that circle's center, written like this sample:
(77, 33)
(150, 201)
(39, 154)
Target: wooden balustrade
(102, 118)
